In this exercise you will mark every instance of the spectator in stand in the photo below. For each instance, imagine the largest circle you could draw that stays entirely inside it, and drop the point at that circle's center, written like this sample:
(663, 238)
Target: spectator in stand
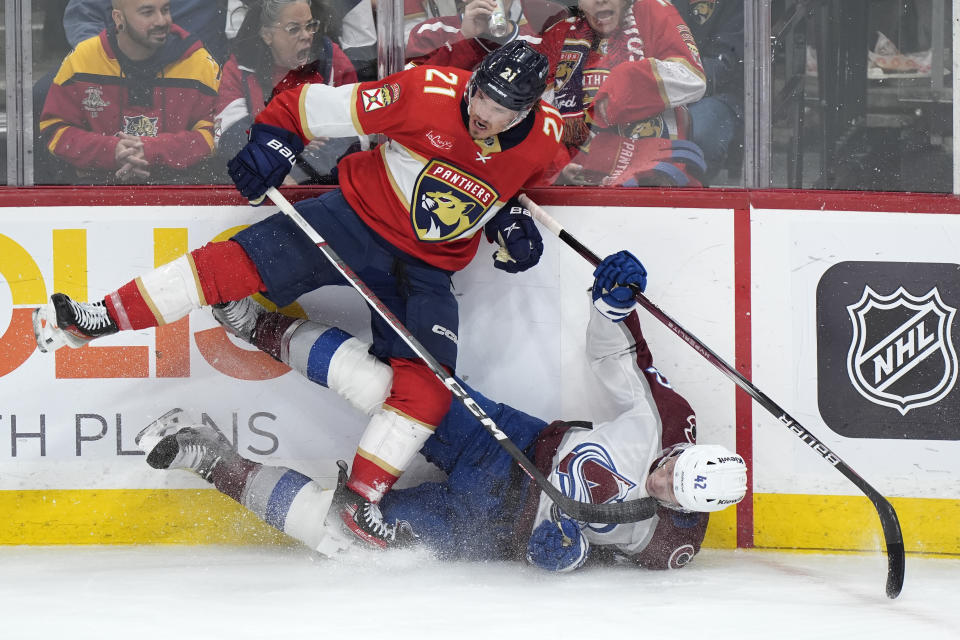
(623, 75)
(280, 45)
(527, 20)
(358, 34)
(134, 103)
(84, 19)
(350, 22)
(717, 27)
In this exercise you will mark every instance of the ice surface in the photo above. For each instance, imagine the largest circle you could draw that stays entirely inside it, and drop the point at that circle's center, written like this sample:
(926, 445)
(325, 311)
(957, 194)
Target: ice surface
(250, 592)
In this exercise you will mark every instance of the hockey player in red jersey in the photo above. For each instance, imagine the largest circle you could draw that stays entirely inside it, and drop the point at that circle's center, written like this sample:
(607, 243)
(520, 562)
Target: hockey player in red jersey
(486, 509)
(408, 214)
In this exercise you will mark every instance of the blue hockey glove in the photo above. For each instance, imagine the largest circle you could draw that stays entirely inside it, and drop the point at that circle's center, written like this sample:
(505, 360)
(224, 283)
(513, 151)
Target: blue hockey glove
(558, 546)
(614, 281)
(515, 231)
(265, 160)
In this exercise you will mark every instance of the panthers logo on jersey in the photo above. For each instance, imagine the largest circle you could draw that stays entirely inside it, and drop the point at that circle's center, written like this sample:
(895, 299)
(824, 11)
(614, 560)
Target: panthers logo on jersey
(702, 9)
(648, 128)
(448, 202)
(143, 126)
(93, 102)
(569, 61)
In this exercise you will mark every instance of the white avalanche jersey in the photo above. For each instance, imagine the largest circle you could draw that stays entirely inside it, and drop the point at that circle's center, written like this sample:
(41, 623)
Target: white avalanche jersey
(611, 461)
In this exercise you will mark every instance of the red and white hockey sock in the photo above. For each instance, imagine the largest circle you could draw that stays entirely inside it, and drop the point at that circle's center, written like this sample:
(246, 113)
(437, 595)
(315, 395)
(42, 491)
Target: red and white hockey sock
(216, 272)
(417, 403)
(386, 449)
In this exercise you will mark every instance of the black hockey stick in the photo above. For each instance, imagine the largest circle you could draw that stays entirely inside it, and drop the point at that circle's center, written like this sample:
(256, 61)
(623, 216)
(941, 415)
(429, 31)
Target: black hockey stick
(888, 516)
(611, 513)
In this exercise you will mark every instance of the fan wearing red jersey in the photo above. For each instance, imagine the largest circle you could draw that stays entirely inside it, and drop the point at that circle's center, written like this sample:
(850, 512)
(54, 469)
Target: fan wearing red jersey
(408, 215)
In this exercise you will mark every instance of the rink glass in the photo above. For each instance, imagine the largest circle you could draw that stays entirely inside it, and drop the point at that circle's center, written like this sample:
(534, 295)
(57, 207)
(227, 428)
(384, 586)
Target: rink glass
(839, 94)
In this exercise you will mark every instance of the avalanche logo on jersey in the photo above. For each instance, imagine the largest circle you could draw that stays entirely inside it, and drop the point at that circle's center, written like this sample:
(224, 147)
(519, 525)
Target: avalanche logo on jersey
(589, 474)
(143, 126)
(448, 202)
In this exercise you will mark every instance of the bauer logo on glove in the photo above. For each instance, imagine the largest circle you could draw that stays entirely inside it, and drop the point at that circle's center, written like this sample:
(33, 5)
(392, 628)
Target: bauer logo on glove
(515, 231)
(265, 161)
(616, 280)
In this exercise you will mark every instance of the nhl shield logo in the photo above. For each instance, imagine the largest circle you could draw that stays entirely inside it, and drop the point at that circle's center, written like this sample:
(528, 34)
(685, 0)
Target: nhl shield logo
(902, 353)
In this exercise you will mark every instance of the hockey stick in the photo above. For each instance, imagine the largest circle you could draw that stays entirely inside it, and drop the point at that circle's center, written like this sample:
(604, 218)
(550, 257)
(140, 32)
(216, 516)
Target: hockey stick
(888, 516)
(611, 513)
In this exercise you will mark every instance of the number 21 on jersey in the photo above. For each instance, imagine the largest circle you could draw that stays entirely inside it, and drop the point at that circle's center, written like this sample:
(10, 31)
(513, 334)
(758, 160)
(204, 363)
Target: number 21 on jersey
(447, 87)
(450, 79)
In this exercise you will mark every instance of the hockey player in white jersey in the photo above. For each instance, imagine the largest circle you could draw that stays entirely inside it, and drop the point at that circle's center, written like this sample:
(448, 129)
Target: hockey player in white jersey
(487, 508)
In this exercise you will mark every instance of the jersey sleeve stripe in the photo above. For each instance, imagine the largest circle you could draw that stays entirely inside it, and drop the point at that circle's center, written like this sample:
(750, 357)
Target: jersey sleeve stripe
(678, 81)
(233, 113)
(304, 125)
(328, 111)
(196, 280)
(353, 110)
(56, 139)
(204, 127)
(397, 189)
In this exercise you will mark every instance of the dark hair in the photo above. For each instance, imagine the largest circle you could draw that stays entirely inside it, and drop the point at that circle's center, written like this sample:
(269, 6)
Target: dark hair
(252, 52)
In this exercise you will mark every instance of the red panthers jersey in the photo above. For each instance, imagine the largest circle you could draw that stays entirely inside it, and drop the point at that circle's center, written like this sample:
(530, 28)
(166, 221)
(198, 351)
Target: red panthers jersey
(431, 187)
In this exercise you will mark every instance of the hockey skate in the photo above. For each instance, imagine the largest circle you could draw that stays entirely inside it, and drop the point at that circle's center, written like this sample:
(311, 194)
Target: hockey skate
(239, 317)
(176, 441)
(363, 519)
(65, 322)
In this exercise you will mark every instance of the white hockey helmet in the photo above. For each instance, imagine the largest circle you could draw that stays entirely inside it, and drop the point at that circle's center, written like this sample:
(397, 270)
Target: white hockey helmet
(708, 477)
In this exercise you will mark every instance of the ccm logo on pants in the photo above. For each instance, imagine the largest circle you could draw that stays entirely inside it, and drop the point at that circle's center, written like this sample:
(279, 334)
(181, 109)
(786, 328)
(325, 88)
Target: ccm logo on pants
(445, 332)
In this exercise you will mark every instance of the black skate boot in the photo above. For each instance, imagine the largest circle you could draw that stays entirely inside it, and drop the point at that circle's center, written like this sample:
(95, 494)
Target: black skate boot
(363, 519)
(67, 322)
(175, 441)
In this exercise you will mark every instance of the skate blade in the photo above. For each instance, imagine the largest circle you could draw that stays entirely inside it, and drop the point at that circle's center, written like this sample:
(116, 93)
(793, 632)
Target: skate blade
(170, 422)
(47, 334)
(333, 538)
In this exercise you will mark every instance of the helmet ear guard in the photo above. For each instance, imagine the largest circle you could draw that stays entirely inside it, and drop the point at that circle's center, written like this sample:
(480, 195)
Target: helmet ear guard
(708, 477)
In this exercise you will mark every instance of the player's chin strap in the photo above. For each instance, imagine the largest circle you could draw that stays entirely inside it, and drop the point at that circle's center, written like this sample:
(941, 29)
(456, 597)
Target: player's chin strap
(888, 516)
(611, 513)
